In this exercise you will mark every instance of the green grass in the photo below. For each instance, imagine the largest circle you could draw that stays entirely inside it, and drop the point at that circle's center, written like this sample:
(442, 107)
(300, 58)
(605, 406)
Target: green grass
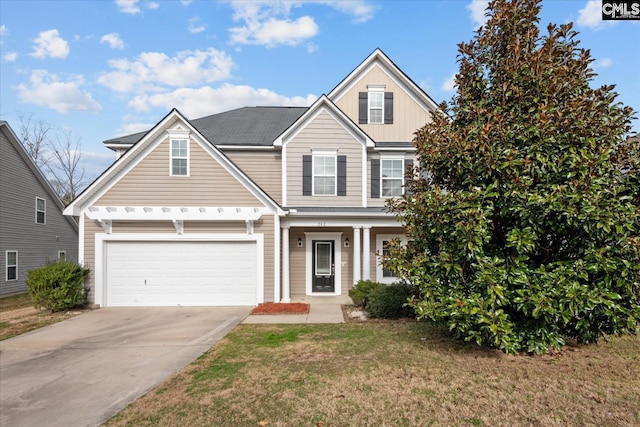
(391, 374)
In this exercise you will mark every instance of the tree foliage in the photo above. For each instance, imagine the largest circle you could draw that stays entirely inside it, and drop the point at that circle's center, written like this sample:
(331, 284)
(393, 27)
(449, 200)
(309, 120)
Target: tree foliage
(523, 228)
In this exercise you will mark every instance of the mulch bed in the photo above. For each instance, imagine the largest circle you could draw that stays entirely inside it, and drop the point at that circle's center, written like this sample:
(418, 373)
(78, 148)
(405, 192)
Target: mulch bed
(281, 308)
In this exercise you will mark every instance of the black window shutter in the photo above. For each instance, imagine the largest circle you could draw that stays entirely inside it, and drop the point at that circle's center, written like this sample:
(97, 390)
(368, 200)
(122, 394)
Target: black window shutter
(375, 178)
(388, 108)
(363, 107)
(307, 178)
(342, 176)
(407, 163)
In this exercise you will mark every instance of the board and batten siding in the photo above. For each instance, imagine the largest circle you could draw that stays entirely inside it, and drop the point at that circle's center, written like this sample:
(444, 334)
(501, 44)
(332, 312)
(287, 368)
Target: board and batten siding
(324, 133)
(264, 168)
(408, 115)
(150, 183)
(36, 244)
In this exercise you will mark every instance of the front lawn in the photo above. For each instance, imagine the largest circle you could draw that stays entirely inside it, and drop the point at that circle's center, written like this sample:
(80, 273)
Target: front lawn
(391, 374)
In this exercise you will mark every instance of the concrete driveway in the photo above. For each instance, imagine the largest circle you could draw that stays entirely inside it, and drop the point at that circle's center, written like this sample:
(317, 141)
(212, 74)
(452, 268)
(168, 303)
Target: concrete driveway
(84, 370)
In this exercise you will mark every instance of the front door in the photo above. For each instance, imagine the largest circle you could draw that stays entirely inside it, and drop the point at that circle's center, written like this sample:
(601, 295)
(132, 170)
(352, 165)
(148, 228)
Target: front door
(323, 266)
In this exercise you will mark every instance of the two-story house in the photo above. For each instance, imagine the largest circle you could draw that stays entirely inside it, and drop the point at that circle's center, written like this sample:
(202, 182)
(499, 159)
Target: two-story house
(257, 204)
(33, 230)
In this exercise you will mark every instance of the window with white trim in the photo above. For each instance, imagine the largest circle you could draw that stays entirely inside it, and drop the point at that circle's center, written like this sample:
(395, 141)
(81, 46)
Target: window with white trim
(391, 177)
(324, 175)
(11, 258)
(376, 107)
(179, 157)
(62, 255)
(41, 210)
(382, 250)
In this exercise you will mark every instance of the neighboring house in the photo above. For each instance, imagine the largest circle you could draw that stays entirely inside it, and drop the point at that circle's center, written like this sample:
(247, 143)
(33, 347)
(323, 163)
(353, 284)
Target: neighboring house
(257, 204)
(33, 230)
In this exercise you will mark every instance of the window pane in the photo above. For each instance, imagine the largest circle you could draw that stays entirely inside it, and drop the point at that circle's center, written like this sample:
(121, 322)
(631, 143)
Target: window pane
(40, 204)
(392, 168)
(179, 148)
(323, 258)
(12, 273)
(391, 187)
(375, 99)
(325, 185)
(179, 167)
(11, 258)
(375, 116)
(40, 217)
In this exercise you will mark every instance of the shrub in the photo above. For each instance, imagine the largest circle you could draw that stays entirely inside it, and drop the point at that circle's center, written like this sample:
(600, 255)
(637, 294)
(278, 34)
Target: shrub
(361, 291)
(389, 301)
(58, 286)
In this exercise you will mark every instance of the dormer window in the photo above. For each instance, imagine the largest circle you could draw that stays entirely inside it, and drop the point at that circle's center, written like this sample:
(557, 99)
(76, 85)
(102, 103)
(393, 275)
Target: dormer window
(179, 157)
(375, 106)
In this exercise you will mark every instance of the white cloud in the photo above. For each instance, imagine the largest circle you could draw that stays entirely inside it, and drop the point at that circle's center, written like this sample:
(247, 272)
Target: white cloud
(152, 5)
(272, 32)
(477, 11)
(128, 6)
(113, 40)
(449, 84)
(48, 90)
(361, 11)
(196, 25)
(603, 63)
(151, 71)
(50, 44)
(10, 56)
(3, 32)
(130, 128)
(198, 102)
(186, 2)
(591, 16)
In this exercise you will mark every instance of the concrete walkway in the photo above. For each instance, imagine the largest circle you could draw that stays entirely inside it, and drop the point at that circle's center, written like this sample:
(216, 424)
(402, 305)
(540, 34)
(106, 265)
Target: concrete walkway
(323, 309)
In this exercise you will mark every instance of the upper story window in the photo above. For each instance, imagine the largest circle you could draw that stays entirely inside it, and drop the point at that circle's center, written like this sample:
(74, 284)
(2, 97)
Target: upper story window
(391, 177)
(324, 175)
(41, 210)
(179, 157)
(11, 258)
(375, 106)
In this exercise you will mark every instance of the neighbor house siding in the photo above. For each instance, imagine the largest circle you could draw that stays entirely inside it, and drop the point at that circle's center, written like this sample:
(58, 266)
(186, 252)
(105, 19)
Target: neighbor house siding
(264, 168)
(408, 116)
(36, 244)
(324, 133)
(149, 183)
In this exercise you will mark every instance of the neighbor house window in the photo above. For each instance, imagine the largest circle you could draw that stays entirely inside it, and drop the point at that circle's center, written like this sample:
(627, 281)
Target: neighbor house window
(41, 208)
(324, 175)
(382, 250)
(62, 255)
(179, 157)
(12, 265)
(391, 177)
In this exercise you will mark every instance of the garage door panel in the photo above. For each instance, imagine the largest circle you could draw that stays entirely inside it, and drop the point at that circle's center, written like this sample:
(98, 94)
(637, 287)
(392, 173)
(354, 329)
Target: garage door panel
(181, 273)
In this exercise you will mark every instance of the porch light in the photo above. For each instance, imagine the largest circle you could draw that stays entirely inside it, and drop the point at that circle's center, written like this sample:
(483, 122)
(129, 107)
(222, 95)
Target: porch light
(299, 242)
(346, 242)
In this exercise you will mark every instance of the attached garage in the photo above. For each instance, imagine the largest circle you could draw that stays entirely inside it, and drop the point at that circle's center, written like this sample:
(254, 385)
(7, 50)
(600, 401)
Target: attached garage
(181, 272)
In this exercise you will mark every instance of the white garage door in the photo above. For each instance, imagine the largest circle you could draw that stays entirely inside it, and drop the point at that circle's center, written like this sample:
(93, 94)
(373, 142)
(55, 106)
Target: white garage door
(181, 273)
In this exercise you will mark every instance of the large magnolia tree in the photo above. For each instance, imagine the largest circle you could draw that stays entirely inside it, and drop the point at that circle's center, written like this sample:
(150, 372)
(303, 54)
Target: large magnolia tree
(523, 225)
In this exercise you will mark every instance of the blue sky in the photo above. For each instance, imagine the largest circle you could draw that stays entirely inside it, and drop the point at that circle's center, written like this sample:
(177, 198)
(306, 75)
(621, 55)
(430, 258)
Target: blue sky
(107, 68)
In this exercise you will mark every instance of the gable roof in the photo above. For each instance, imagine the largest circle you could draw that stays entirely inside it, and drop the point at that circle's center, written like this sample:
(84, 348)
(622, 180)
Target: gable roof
(35, 170)
(141, 148)
(247, 126)
(379, 58)
(324, 104)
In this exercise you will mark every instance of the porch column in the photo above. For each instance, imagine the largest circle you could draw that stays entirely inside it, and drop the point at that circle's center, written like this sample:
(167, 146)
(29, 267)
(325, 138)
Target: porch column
(366, 250)
(357, 254)
(285, 265)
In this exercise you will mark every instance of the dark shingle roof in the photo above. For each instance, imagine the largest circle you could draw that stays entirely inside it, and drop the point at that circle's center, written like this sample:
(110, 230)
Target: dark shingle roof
(252, 126)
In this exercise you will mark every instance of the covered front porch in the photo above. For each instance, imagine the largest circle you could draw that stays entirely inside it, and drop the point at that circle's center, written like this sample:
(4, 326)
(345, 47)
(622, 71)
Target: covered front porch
(325, 254)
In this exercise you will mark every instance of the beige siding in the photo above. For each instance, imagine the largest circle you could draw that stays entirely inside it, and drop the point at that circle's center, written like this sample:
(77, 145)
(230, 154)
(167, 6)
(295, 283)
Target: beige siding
(264, 168)
(149, 183)
(408, 115)
(90, 229)
(324, 133)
